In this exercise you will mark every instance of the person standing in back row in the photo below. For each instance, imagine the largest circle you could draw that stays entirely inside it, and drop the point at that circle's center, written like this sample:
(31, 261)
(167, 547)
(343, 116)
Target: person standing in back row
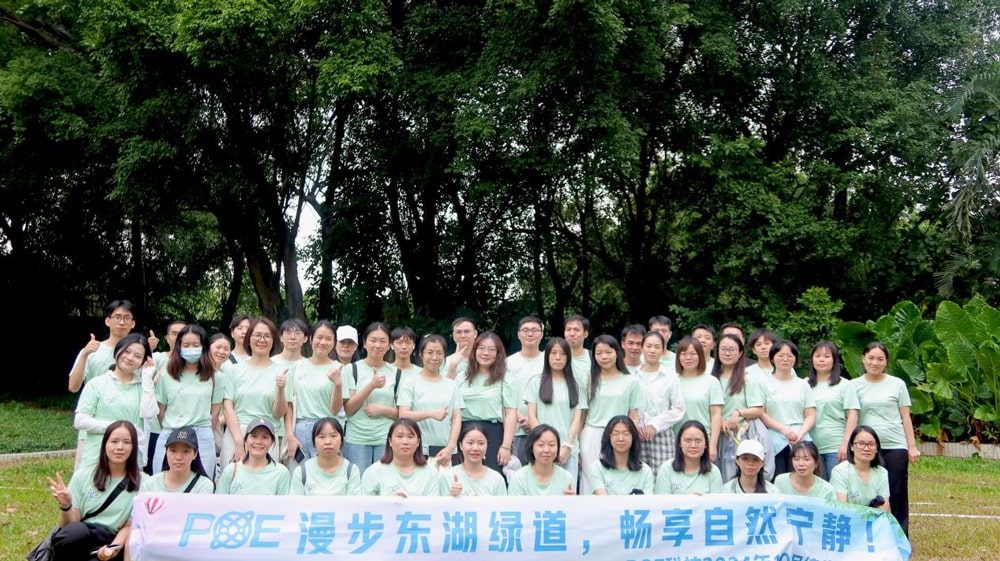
(884, 406)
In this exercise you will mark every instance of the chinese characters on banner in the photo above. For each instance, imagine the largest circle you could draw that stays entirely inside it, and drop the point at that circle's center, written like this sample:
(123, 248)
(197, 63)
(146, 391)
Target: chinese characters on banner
(629, 528)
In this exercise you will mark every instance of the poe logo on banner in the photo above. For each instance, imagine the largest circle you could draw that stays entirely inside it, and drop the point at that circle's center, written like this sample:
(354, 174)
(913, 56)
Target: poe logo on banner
(233, 529)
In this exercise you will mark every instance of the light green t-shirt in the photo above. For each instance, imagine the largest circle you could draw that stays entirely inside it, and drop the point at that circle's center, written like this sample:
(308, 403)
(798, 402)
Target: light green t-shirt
(524, 484)
(106, 399)
(751, 396)
(614, 397)
(160, 359)
(557, 414)
(236, 479)
(621, 481)
(732, 487)
(490, 485)
(787, 401)
(384, 480)
(421, 394)
(86, 499)
(580, 365)
(485, 402)
(189, 401)
(845, 480)
(879, 404)
(254, 390)
(700, 393)
(99, 362)
(312, 390)
(369, 431)
(832, 403)
(346, 480)
(820, 489)
(155, 484)
(670, 482)
(520, 371)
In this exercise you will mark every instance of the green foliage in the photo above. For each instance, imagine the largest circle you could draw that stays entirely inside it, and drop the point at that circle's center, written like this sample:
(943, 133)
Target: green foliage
(951, 364)
(814, 320)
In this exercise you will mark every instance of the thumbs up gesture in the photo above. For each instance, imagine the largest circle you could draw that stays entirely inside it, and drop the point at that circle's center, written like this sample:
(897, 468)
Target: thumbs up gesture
(456, 487)
(91, 346)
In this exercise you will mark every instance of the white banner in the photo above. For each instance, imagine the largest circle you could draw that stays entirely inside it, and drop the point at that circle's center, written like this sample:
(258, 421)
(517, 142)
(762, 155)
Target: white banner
(168, 527)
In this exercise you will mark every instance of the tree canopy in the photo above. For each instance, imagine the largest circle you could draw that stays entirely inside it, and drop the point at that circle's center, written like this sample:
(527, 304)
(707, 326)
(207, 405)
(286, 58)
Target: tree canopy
(708, 160)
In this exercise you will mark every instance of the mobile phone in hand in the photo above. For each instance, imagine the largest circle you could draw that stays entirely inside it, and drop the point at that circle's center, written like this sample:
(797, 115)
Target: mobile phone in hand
(114, 547)
(300, 456)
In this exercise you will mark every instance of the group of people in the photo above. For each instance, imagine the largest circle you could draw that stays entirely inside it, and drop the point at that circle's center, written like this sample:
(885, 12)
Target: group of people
(389, 413)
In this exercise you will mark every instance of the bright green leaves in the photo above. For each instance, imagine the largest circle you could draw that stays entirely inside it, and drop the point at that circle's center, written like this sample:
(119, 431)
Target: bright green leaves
(952, 363)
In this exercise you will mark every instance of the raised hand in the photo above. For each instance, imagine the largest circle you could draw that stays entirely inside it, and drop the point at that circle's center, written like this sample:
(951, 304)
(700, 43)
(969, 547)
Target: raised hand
(91, 346)
(60, 492)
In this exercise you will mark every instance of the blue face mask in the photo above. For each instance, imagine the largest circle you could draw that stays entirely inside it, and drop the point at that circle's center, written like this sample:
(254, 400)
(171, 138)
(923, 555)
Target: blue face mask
(191, 354)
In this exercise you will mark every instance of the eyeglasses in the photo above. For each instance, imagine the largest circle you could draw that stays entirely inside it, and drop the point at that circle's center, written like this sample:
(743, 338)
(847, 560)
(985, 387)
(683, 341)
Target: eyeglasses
(530, 330)
(119, 318)
(728, 350)
(261, 336)
(864, 445)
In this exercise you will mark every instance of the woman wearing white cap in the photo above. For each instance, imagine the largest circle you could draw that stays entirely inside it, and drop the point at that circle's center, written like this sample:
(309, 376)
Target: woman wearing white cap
(257, 473)
(182, 470)
(749, 470)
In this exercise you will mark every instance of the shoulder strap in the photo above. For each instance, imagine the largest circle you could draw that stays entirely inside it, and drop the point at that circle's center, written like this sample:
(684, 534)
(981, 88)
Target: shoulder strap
(232, 359)
(354, 369)
(302, 466)
(395, 389)
(190, 486)
(111, 498)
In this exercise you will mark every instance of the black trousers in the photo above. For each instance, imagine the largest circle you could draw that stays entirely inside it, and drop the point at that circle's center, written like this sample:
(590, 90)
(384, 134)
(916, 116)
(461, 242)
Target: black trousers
(782, 462)
(75, 541)
(897, 463)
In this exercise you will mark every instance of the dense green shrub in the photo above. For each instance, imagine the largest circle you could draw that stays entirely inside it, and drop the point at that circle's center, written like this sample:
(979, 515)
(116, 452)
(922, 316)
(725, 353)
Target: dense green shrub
(951, 364)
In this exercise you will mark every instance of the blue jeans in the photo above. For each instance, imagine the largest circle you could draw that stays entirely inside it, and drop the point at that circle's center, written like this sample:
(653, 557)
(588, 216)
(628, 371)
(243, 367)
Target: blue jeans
(363, 455)
(829, 461)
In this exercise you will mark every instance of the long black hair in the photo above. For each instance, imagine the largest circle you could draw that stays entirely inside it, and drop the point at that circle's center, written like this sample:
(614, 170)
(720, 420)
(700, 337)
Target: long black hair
(635, 450)
(595, 369)
(835, 372)
(545, 382)
(705, 465)
(132, 473)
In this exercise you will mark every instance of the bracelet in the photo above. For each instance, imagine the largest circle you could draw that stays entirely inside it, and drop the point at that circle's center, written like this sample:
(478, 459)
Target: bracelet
(69, 506)
(505, 448)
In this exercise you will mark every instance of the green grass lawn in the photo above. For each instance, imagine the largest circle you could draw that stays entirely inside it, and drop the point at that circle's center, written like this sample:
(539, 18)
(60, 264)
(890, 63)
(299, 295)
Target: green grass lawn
(27, 428)
(938, 486)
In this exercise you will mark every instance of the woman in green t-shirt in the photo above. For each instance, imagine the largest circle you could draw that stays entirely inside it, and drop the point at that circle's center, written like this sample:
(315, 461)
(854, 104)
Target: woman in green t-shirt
(370, 399)
(862, 480)
(489, 398)
(620, 470)
(541, 476)
(328, 472)
(181, 470)
(805, 478)
(85, 524)
(472, 478)
(691, 471)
